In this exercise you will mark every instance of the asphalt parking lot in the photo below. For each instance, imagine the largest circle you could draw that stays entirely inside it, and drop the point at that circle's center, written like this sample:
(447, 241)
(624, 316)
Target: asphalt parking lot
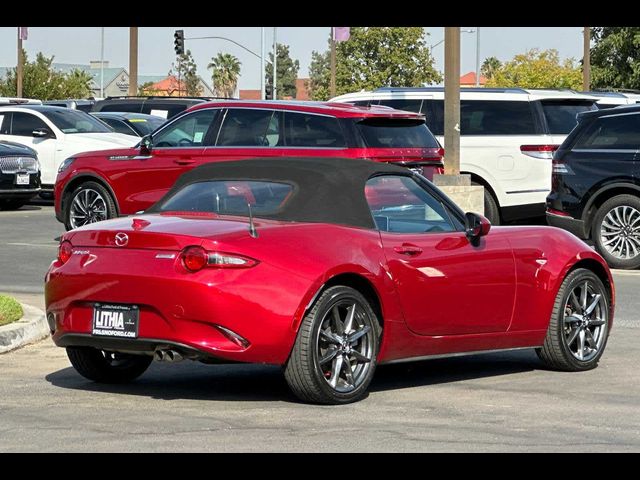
(493, 402)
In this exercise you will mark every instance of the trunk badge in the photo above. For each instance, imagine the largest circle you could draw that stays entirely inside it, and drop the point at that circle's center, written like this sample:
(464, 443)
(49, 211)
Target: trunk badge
(122, 239)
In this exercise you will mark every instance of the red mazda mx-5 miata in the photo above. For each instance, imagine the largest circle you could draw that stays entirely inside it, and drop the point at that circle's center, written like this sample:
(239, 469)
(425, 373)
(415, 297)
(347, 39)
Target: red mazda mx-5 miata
(326, 266)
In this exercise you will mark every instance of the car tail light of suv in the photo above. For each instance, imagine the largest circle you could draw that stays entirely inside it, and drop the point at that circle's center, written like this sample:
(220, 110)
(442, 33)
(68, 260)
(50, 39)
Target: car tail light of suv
(427, 163)
(544, 152)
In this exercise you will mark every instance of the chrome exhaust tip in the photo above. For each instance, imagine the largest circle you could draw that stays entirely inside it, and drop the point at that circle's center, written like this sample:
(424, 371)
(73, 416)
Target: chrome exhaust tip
(159, 356)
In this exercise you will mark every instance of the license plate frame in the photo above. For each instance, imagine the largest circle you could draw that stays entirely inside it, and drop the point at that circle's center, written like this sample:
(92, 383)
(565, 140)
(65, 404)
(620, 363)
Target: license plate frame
(115, 320)
(23, 179)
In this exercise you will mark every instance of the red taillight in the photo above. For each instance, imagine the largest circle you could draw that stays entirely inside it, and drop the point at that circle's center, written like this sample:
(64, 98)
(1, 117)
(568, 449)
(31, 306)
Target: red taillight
(544, 152)
(196, 258)
(65, 250)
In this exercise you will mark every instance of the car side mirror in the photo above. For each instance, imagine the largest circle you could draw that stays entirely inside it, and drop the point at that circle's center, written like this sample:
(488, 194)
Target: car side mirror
(42, 133)
(476, 226)
(146, 145)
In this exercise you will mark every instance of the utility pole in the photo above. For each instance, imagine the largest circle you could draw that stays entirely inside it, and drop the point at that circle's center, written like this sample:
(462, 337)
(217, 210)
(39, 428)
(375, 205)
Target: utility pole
(101, 62)
(333, 63)
(586, 59)
(19, 69)
(133, 61)
(274, 95)
(477, 56)
(262, 44)
(452, 100)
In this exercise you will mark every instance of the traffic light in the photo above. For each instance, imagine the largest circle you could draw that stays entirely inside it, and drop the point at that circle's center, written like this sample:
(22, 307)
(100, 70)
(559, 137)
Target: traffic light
(178, 42)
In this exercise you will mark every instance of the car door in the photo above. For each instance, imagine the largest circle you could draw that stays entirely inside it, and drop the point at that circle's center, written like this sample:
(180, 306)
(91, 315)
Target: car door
(141, 180)
(19, 126)
(446, 286)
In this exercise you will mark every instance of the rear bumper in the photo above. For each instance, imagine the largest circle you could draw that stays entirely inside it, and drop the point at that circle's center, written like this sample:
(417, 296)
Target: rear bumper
(520, 212)
(577, 227)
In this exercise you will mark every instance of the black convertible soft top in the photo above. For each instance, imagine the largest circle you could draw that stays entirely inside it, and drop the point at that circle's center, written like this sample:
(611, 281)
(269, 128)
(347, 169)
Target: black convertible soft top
(327, 190)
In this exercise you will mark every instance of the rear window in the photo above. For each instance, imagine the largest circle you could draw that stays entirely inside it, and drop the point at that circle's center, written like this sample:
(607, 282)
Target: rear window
(230, 197)
(561, 114)
(616, 132)
(495, 117)
(396, 133)
(119, 107)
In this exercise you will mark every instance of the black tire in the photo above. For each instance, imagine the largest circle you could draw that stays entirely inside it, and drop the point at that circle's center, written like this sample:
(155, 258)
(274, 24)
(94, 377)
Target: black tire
(106, 367)
(109, 203)
(491, 209)
(597, 227)
(11, 204)
(303, 372)
(556, 353)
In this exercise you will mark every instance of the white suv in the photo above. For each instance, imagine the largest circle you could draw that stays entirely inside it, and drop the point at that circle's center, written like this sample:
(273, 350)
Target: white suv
(57, 133)
(507, 137)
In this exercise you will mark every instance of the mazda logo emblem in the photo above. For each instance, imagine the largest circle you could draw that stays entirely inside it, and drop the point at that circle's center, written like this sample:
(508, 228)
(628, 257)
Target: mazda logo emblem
(122, 239)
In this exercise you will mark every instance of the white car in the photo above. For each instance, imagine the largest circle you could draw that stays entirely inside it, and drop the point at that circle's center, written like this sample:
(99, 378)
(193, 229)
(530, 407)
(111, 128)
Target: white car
(507, 137)
(611, 99)
(57, 133)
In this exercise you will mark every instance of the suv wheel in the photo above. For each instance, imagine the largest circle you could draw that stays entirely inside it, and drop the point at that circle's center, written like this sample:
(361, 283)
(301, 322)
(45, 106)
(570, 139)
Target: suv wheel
(616, 231)
(90, 202)
(491, 209)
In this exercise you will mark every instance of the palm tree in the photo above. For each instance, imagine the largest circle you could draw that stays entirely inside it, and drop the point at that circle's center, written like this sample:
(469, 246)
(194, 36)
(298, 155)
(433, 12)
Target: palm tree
(225, 70)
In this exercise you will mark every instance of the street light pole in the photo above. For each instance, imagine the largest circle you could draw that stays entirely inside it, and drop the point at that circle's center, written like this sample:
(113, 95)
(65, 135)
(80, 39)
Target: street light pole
(262, 89)
(586, 59)
(133, 61)
(275, 63)
(19, 72)
(452, 100)
(332, 87)
(477, 56)
(101, 62)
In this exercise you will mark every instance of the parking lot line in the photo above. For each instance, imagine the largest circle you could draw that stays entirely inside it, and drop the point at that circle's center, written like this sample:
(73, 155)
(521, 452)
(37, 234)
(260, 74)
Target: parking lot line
(20, 244)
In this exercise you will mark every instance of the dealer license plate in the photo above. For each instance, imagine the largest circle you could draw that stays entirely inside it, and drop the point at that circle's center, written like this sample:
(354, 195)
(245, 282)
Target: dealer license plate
(22, 179)
(114, 320)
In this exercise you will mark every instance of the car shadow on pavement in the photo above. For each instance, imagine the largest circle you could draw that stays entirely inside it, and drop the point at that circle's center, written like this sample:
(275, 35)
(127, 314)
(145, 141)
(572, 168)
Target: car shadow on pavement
(195, 381)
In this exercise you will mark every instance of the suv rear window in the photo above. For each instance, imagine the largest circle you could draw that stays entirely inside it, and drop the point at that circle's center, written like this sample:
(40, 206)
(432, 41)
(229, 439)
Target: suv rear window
(230, 197)
(615, 132)
(561, 114)
(396, 133)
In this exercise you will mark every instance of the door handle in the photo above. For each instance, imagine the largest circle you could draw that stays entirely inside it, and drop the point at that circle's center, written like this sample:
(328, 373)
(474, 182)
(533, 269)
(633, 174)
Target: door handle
(184, 161)
(408, 249)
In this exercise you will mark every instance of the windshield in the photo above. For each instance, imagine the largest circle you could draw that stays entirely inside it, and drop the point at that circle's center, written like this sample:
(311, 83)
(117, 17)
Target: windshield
(230, 197)
(396, 133)
(74, 121)
(144, 126)
(561, 114)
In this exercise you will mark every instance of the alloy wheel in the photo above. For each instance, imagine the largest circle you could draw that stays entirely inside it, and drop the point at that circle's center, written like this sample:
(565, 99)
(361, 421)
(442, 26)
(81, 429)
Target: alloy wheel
(620, 232)
(345, 346)
(88, 206)
(585, 321)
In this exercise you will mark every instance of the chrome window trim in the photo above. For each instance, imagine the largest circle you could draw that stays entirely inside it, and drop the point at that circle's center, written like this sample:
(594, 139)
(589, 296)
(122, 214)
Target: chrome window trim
(605, 150)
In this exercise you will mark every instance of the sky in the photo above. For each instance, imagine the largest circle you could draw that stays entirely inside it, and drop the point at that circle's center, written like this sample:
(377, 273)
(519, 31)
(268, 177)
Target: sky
(82, 44)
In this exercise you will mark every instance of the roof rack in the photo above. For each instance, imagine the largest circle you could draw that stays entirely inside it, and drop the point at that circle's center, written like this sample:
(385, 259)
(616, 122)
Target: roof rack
(148, 97)
(441, 89)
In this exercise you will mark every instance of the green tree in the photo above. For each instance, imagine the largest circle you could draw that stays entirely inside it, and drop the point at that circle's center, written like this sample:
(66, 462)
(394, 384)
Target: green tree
(490, 66)
(538, 69)
(287, 73)
(225, 70)
(186, 71)
(615, 57)
(375, 57)
(40, 80)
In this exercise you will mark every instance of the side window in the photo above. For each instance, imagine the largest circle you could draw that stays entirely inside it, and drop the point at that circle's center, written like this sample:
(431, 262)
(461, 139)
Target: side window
(309, 130)
(23, 124)
(399, 205)
(364, 103)
(249, 128)
(617, 132)
(188, 131)
(496, 117)
(407, 105)
(5, 123)
(434, 112)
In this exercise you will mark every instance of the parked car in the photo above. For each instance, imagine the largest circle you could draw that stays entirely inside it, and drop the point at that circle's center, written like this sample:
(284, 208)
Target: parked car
(610, 99)
(596, 184)
(165, 107)
(508, 136)
(126, 181)
(137, 124)
(326, 266)
(77, 104)
(19, 175)
(19, 101)
(57, 133)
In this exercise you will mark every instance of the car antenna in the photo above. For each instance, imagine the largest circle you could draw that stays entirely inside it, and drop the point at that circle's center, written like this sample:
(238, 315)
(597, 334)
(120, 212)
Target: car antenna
(252, 228)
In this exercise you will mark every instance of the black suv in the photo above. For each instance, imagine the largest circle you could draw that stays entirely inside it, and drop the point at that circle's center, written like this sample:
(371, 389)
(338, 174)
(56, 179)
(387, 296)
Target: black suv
(595, 186)
(165, 107)
(19, 175)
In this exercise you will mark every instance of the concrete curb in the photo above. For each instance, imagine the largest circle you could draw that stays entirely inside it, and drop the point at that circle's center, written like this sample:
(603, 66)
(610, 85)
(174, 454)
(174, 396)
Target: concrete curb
(30, 328)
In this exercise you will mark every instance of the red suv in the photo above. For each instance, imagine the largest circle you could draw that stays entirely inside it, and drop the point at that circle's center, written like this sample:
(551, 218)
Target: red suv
(95, 186)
